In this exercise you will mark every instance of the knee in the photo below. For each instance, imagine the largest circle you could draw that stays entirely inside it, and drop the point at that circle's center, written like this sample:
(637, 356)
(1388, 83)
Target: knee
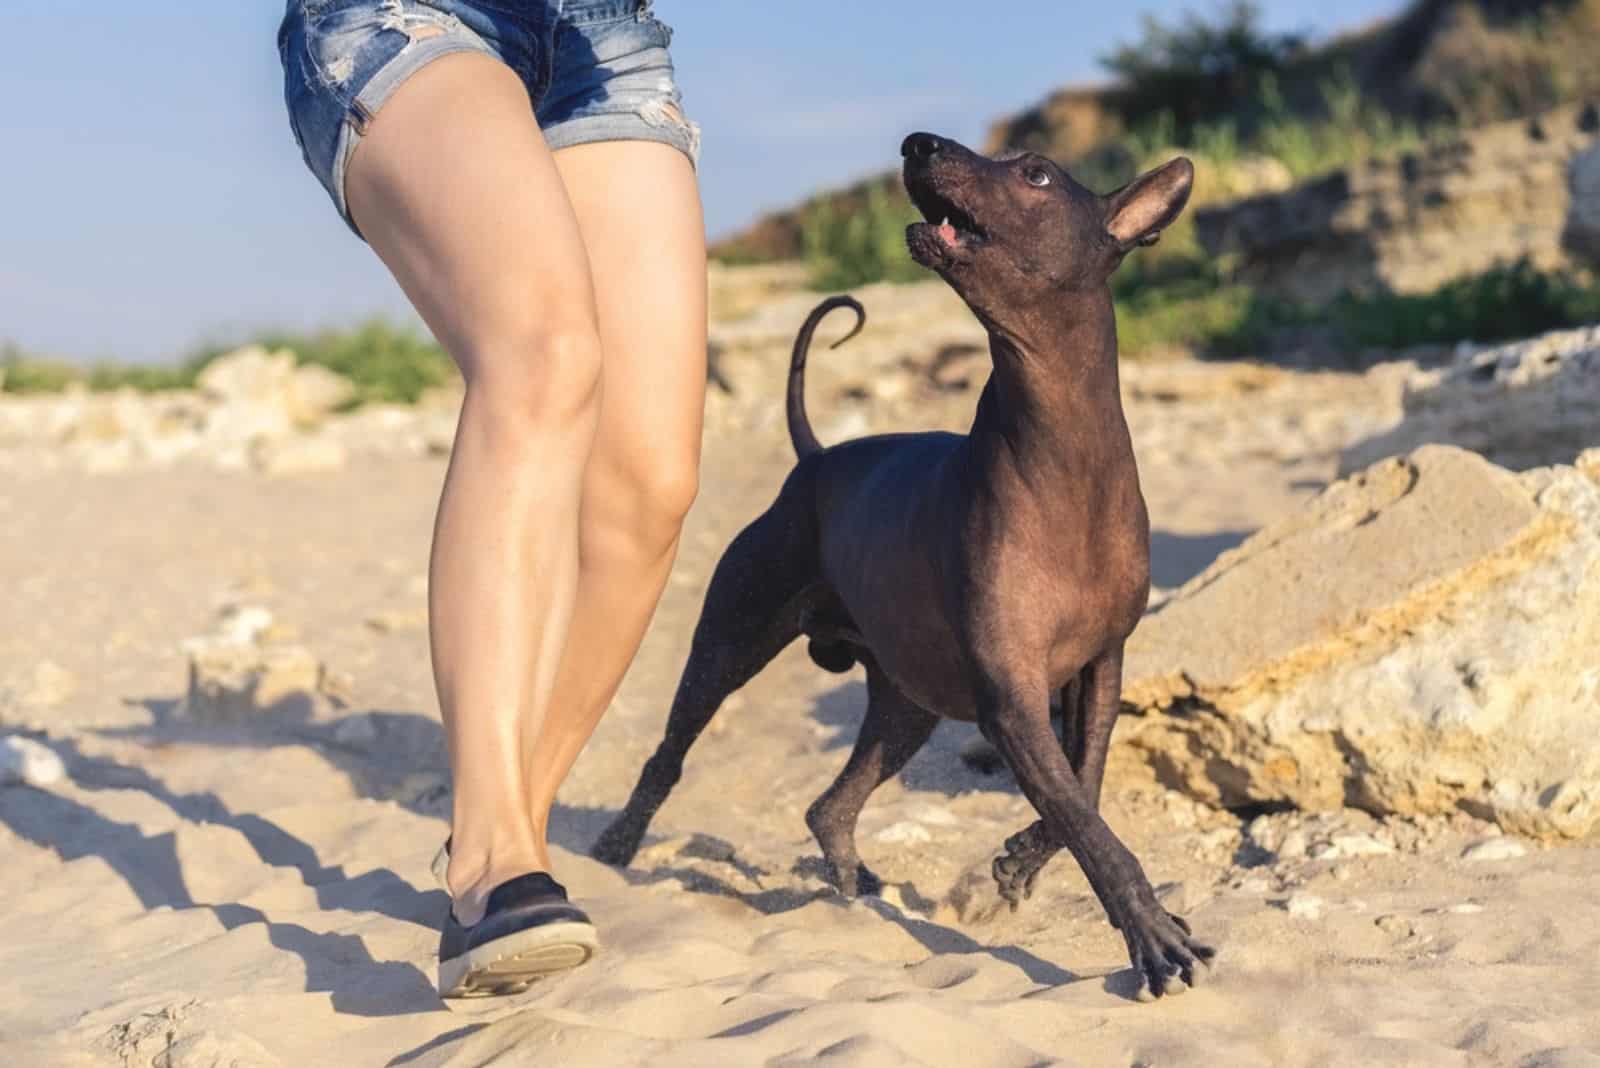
(635, 507)
(534, 384)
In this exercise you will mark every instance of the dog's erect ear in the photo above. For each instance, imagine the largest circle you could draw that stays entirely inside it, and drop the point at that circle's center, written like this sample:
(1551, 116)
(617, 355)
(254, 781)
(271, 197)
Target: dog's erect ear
(1138, 212)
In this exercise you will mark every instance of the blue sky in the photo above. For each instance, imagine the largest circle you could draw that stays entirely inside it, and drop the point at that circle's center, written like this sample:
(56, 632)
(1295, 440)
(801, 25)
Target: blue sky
(151, 196)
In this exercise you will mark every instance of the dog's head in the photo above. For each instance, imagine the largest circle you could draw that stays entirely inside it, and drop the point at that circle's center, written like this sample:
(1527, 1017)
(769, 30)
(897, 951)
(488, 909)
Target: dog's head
(1003, 232)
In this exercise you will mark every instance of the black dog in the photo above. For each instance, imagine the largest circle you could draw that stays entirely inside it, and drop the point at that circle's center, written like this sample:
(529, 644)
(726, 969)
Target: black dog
(973, 577)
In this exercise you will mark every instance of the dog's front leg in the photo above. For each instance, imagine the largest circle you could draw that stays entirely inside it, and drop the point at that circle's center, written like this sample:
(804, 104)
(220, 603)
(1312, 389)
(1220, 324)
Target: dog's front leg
(1090, 703)
(1015, 717)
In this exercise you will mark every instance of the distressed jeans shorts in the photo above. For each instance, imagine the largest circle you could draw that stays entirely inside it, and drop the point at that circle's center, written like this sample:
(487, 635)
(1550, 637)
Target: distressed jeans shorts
(596, 70)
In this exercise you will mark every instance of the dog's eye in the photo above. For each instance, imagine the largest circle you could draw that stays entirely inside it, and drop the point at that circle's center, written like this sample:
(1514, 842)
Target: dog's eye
(1037, 176)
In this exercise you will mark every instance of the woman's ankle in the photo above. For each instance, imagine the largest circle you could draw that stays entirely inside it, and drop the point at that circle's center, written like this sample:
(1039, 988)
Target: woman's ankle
(475, 871)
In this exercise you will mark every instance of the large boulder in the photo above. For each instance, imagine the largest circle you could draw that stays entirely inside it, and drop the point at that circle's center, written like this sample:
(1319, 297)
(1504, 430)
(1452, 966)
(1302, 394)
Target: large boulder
(1524, 404)
(1490, 196)
(267, 394)
(1419, 638)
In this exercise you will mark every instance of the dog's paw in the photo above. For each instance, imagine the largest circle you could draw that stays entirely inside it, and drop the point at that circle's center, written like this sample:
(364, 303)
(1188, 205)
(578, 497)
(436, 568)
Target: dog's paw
(1166, 957)
(616, 846)
(1016, 872)
(856, 882)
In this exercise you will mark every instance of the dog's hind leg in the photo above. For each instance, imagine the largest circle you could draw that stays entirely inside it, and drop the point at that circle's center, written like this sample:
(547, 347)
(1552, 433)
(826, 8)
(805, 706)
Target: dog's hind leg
(891, 733)
(1090, 703)
(754, 607)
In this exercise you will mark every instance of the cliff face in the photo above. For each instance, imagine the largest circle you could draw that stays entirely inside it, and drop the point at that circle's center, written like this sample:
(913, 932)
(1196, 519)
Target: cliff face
(1493, 196)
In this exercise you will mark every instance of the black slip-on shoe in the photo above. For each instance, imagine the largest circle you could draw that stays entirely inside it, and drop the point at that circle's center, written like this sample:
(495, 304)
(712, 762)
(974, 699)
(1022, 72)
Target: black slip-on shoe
(529, 930)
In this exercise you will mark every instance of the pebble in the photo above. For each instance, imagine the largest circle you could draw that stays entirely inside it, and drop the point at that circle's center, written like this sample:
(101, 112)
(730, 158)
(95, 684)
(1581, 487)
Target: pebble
(1494, 849)
(25, 761)
(244, 624)
(906, 832)
(394, 620)
(1397, 926)
(1305, 906)
(1360, 845)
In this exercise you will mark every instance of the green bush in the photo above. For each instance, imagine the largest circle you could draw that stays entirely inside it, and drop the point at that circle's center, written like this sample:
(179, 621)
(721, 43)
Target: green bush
(1211, 317)
(846, 247)
(1507, 302)
(387, 363)
(1196, 69)
(21, 373)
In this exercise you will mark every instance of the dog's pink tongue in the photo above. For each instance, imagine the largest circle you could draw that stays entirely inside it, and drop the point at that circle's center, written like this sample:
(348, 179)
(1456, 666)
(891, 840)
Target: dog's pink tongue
(947, 233)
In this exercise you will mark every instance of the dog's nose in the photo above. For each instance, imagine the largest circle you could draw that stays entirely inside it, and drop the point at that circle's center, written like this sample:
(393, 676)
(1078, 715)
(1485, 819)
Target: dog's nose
(921, 146)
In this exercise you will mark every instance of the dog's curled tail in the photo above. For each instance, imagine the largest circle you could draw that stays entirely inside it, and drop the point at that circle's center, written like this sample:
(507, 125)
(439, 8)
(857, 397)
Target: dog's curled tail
(805, 442)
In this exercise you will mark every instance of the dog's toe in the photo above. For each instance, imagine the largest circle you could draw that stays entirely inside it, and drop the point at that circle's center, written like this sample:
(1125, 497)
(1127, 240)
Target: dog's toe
(1165, 954)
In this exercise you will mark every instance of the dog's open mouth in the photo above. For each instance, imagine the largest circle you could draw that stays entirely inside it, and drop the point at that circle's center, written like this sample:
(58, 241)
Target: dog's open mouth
(949, 227)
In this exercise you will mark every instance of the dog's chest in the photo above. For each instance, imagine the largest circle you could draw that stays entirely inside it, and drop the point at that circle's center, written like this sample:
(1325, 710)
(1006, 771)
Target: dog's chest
(1079, 577)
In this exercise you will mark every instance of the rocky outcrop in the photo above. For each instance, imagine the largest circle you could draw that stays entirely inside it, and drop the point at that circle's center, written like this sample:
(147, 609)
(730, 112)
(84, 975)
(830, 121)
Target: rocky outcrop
(1522, 405)
(1492, 196)
(252, 410)
(1582, 235)
(1419, 638)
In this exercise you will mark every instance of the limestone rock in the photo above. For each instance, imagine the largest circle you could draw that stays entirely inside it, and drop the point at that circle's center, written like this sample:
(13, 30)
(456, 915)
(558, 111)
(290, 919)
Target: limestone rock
(25, 761)
(1522, 404)
(230, 682)
(1582, 235)
(1419, 638)
(271, 384)
(1494, 849)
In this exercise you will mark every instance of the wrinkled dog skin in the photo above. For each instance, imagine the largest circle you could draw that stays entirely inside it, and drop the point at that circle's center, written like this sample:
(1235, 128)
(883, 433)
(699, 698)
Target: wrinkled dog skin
(973, 576)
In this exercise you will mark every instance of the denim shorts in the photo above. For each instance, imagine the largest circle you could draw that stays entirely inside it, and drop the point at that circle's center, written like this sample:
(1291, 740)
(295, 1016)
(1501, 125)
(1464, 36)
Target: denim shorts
(596, 70)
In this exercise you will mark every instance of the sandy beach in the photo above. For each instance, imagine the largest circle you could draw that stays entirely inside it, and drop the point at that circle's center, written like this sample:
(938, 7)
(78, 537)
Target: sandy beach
(258, 892)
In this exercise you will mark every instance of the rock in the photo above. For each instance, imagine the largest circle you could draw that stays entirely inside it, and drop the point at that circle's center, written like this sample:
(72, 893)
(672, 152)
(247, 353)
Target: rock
(1395, 926)
(230, 682)
(906, 832)
(1522, 405)
(272, 384)
(1501, 848)
(25, 761)
(1582, 235)
(1360, 845)
(1416, 639)
(391, 620)
(301, 454)
(316, 393)
(1304, 906)
(244, 624)
(1493, 195)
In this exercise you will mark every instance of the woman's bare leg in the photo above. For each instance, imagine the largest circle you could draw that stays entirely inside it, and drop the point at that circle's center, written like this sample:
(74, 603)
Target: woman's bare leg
(638, 207)
(456, 191)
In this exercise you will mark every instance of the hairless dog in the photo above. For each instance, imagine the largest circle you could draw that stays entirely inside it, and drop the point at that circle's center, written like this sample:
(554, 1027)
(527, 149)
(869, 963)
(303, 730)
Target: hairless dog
(973, 576)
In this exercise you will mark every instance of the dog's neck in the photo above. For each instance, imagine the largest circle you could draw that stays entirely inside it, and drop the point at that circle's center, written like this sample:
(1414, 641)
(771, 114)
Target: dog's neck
(1052, 408)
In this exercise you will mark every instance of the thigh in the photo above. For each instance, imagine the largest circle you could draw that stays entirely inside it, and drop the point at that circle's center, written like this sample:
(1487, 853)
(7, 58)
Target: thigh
(456, 191)
(638, 206)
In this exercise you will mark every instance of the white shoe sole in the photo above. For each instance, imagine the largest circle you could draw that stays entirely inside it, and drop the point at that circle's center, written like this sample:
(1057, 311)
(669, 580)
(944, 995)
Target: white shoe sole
(511, 964)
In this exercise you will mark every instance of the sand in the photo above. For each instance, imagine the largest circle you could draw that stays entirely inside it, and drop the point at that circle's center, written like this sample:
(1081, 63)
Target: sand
(260, 894)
